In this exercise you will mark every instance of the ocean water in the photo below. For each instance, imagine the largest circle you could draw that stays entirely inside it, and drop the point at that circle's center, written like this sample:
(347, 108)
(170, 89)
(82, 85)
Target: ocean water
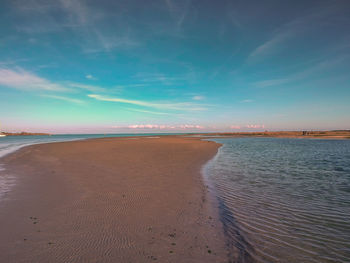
(283, 200)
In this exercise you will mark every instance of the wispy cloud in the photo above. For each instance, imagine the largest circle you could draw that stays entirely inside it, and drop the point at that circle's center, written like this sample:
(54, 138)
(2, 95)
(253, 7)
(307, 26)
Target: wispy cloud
(198, 97)
(270, 46)
(91, 26)
(75, 101)
(159, 77)
(24, 80)
(21, 79)
(280, 38)
(89, 76)
(182, 106)
(179, 11)
(247, 101)
(108, 43)
(91, 88)
(318, 68)
(151, 112)
(255, 126)
(88, 23)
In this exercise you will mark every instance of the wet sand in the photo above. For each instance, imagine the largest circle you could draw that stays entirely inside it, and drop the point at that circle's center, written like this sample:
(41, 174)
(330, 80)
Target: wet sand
(111, 200)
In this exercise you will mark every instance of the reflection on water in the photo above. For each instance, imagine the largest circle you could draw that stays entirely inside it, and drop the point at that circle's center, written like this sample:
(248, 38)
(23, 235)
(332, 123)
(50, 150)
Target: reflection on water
(6, 182)
(284, 200)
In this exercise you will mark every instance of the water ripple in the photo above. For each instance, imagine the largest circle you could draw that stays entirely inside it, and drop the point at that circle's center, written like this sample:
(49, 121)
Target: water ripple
(284, 200)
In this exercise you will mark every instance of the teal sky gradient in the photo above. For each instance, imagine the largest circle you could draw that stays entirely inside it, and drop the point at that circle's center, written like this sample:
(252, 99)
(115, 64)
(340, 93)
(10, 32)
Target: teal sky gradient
(74, 66)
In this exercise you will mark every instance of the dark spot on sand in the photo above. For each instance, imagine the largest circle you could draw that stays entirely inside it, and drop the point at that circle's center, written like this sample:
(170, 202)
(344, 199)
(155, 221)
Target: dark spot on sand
(25, 239)
(173, 244)
(209, 251)
(171, 251)
(35, 223)
(50, 243)
(172, 235)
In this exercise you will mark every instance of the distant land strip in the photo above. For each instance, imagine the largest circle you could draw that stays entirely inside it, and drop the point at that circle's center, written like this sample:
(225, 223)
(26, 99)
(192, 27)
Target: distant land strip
(23, 133)
(335, 134)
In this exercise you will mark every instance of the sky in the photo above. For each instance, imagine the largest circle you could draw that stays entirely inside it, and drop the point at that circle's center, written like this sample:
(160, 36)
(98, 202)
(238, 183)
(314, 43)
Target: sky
(125, 66)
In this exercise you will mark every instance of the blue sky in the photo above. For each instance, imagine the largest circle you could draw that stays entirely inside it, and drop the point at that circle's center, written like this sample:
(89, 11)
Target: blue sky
(171, 66)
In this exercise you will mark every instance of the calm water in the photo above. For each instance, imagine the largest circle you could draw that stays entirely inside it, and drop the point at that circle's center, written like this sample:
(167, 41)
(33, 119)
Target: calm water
(284, 200)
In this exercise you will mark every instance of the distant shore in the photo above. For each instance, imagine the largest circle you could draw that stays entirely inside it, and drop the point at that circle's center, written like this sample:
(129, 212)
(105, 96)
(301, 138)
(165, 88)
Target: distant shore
(339, 134)
(335, 134)
(23, 133)
(111, 200)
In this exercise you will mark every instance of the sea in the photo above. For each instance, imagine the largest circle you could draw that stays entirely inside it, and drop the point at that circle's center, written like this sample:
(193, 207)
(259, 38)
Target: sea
(283, 200)
(280, 200)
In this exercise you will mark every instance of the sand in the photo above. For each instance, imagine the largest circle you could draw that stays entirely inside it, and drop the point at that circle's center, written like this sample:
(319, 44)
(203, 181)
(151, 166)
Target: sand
(111, 200)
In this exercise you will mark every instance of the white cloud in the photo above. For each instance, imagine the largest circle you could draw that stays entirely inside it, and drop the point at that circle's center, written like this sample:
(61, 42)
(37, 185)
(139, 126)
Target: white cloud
(89, 76)
(197, 97)
(159, 77)
(24, 80)
(151, 112)
(187, 126)
(184, 106)
(76, 101)
(255, 126)
(91, 88)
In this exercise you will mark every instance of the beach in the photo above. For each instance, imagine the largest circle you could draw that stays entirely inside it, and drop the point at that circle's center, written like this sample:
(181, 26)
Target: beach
(139, 199)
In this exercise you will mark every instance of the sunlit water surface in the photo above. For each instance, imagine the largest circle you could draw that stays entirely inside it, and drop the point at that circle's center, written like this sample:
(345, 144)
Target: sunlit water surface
(284, 200)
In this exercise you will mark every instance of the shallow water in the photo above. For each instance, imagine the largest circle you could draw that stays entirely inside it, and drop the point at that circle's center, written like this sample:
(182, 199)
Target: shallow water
(284, 200)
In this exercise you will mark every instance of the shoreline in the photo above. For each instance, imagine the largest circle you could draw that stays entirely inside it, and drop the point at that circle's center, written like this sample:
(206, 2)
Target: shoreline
(82, 204)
